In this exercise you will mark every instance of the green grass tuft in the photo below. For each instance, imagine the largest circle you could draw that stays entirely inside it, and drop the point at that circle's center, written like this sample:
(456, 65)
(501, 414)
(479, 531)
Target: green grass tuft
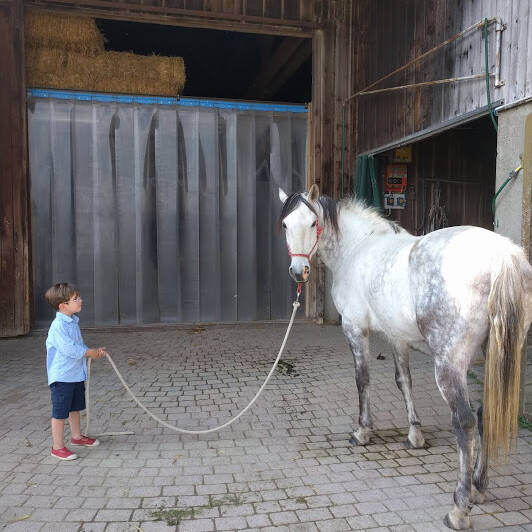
(172, 516)
(524, 423)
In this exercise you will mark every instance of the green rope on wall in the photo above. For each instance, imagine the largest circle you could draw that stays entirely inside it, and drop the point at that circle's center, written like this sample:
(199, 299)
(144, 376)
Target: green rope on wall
(512, 175)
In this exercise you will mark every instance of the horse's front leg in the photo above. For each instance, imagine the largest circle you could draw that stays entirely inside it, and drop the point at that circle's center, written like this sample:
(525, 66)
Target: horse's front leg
(452, 384)
(403, 380)
(359, 344)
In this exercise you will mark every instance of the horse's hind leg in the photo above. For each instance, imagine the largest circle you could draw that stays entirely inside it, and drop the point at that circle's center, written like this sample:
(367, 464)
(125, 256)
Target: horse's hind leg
(453, 387)
(359, 344)
(403, 380)
(480, 475)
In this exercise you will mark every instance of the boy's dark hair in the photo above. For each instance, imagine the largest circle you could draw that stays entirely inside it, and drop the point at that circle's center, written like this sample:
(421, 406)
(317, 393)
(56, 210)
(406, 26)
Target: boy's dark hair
(60, 293)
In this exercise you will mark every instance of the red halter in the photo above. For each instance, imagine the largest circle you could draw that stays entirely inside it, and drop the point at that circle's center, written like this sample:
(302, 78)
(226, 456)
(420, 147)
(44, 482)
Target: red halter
(319, 230)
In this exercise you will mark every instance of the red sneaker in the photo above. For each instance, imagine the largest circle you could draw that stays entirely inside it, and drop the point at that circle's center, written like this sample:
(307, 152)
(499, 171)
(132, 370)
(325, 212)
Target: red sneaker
(64, 454)
(86, 442)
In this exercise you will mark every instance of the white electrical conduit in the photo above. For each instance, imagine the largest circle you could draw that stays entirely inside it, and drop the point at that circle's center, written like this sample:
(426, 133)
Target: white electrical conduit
(295, 304)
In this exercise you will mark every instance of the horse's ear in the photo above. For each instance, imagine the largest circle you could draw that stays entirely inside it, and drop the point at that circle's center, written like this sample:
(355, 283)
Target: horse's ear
(282, 196)
(313, 193)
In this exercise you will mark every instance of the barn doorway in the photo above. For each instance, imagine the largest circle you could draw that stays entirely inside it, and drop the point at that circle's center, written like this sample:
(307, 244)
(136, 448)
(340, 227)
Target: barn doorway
(164, 211)
(449, 178)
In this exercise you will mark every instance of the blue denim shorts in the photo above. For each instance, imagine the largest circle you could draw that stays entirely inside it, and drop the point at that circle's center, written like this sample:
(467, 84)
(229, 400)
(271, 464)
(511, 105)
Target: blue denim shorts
(67, 397)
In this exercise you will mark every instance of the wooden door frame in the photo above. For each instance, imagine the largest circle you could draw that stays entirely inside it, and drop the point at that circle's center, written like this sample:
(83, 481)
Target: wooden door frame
(15, 259)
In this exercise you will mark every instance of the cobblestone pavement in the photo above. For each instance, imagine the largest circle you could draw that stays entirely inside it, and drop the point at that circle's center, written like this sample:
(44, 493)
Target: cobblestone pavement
(285, 465)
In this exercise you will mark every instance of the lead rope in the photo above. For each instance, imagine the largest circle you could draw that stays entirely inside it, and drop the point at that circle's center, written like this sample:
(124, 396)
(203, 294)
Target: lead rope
(296, 304)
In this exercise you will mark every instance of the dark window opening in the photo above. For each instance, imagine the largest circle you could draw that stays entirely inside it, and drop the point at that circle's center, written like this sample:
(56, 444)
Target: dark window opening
(223, 64)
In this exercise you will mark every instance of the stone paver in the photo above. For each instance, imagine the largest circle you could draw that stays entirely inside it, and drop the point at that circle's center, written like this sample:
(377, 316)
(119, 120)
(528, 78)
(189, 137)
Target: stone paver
(286, 465)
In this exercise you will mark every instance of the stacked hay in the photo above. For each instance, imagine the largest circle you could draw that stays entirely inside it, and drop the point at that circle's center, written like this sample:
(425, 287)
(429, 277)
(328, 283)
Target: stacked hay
(67, 52)
(43, 29)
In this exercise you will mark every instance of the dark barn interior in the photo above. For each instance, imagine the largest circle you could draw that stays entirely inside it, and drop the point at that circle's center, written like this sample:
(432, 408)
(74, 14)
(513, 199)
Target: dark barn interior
(451, 178)
(223, 64)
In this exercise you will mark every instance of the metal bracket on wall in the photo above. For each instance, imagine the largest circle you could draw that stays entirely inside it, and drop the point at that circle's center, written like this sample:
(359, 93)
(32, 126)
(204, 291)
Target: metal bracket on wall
(499, 28)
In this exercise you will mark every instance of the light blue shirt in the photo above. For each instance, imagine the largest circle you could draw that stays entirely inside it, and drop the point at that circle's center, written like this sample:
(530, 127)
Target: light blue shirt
(65, 350)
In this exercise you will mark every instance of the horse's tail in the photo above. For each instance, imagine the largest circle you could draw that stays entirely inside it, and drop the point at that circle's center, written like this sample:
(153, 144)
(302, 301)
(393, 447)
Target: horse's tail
(506, 308)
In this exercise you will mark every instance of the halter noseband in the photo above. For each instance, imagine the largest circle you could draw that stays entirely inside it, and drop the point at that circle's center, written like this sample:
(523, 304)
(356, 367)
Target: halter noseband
(319, 230)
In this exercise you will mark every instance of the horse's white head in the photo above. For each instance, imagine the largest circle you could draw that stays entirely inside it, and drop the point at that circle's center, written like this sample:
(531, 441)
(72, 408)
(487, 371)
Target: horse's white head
(300, 221)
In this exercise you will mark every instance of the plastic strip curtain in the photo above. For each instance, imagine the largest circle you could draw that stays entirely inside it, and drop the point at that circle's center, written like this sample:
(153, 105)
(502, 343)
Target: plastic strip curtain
(162, 213)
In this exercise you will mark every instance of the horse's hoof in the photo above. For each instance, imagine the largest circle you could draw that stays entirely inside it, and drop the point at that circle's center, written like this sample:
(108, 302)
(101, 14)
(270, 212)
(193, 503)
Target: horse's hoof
(415, 439)
(354, 441)
(417, 445)
(457, 519)
(360, 437)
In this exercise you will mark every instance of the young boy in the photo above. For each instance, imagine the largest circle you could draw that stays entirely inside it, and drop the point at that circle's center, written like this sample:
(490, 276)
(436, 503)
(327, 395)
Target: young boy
(66, 365)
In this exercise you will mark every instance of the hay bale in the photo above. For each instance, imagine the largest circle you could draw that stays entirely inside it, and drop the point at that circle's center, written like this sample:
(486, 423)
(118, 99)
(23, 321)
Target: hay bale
(67, 52)
(44, 67)
(113, 72)
(139, 74)
(45, 29)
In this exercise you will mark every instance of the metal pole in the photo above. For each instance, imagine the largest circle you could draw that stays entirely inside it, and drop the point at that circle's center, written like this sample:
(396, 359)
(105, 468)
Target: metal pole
(423, 84)
(422, 56)
(524, 408)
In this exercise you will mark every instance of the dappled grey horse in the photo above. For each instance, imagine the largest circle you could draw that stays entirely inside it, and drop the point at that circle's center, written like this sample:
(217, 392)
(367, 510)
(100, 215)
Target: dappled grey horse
(453, 293)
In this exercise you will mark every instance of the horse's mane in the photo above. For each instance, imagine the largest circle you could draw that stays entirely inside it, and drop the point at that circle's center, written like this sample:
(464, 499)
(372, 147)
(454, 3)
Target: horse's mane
(361, 208)
(332, 207)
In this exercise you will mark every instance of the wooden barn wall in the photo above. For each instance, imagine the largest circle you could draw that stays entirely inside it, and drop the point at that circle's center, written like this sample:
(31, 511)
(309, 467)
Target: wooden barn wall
(332, 82)
(389, 34)
(460, 164)
(14, 260)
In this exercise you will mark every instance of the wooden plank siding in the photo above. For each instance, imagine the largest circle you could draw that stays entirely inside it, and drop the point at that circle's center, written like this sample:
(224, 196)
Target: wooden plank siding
(14, 258)
(390, 34)
(333, 72)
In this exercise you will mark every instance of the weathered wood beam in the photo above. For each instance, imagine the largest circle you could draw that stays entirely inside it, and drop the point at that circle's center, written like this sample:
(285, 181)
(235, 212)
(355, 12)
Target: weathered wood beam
(14, 218)
(164, 14)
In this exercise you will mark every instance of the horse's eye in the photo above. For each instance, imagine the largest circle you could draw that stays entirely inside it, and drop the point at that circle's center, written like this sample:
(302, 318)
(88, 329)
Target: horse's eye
(313, 224)
(284, 225)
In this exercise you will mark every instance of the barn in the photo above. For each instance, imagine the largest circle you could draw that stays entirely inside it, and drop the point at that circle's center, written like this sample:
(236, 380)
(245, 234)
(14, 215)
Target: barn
(425, 106)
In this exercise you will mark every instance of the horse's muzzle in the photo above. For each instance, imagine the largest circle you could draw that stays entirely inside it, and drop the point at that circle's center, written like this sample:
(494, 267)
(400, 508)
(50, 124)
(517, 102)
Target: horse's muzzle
(300, 275)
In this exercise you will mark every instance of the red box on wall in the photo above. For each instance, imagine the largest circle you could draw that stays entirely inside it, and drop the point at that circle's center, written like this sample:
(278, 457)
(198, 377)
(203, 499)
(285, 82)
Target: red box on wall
(395, 179)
